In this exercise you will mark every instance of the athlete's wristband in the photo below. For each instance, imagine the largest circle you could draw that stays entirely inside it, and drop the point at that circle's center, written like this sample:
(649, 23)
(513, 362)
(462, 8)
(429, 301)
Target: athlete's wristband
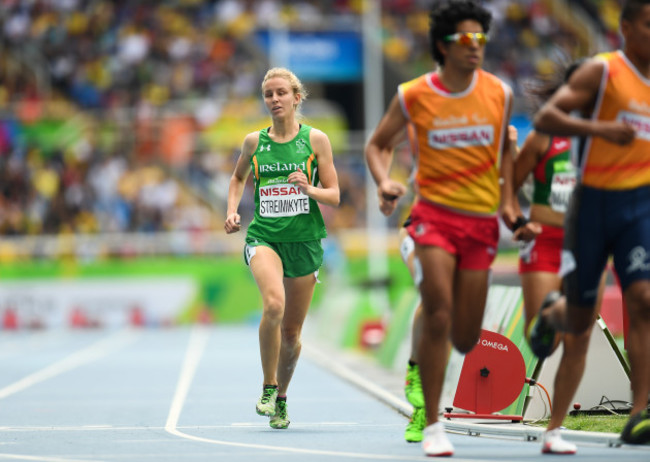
(519, 222)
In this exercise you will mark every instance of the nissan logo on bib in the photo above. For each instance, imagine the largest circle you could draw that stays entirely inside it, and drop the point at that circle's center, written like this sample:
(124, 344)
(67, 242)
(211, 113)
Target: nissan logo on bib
(474, 135)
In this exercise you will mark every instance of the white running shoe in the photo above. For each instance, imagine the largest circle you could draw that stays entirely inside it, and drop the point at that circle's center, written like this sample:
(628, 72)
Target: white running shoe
(435, 442)
(552, 443)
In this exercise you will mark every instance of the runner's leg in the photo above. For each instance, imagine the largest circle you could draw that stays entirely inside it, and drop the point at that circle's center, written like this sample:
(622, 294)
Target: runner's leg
(266, 267)
(470, 294)
(438, 268)
(299, 292)
(637, 300)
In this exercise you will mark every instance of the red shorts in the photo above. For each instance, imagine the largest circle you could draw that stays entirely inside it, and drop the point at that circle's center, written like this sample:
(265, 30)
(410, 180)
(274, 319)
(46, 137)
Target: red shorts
(472, 239)
(544, 253)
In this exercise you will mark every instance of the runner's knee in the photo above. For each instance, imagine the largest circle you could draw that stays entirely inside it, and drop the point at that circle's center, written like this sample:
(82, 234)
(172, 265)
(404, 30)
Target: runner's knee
(436, 322)
(464, 341)
(579, 321)
(274, 307)
(576, 346)
(290, 335)
(638, 303)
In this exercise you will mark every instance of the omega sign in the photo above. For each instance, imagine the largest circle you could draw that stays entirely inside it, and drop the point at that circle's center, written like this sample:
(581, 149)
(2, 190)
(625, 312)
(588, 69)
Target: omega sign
(492, 344)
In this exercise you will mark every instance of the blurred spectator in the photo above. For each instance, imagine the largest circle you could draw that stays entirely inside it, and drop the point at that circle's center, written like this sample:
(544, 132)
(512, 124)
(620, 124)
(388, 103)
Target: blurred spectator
(125, 83)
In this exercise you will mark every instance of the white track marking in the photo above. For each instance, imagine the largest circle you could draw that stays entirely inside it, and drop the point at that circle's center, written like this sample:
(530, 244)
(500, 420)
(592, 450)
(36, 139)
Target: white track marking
(86, 355)
(195, 348)
(41, 459)
(352, 455)
(130, 428)
(197, 343)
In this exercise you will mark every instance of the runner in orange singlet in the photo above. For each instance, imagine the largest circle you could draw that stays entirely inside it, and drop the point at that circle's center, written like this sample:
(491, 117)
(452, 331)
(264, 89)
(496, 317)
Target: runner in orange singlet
(460, 115)
(610, 208)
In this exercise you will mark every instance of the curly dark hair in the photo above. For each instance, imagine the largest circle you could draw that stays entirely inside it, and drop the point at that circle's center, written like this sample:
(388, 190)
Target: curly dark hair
(445, 16)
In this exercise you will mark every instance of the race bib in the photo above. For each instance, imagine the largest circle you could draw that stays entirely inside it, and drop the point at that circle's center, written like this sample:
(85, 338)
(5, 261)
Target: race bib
(282, 200)
(562, 186)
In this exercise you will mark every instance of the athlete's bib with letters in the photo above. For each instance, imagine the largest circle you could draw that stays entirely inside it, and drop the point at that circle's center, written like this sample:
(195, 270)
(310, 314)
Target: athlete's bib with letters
(555, 176)
(281, 199)
(562, 186)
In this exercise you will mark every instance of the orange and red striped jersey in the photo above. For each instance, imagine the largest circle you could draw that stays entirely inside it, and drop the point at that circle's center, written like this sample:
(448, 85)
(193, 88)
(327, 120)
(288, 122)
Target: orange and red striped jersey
(624, 95)
(459, 139)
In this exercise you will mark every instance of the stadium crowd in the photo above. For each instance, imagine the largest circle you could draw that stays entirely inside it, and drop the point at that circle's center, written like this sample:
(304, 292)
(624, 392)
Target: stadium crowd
(114, 79)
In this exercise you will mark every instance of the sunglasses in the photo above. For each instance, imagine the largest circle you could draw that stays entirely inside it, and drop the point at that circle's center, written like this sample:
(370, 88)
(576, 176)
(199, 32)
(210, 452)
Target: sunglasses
(467, 38)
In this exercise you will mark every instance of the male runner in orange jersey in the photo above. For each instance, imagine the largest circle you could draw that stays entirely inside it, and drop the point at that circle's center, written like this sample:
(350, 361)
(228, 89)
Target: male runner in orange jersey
(610, 209)
(460, 115)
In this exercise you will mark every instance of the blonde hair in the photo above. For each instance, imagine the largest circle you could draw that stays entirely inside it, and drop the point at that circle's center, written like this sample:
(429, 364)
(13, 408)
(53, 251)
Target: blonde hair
(294, 82)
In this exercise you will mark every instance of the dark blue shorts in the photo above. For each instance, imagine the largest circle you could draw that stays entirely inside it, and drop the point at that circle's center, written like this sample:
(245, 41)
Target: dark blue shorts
(601, 223)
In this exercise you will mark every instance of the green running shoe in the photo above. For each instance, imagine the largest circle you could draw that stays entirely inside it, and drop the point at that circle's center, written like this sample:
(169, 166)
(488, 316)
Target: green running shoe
(413, 386)
(266, 403)
(541, 335)
(637, 429)
(280, 420)
(413, 433)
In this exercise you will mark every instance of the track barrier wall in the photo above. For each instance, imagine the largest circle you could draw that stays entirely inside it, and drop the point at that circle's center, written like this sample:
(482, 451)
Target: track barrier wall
(144, 291)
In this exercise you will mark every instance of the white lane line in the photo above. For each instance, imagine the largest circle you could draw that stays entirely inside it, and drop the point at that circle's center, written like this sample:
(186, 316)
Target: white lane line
(197, 343)
(41, 459)
(305, 425)
(352, 455)
(86, 355)
(112, 428)
(195, 348)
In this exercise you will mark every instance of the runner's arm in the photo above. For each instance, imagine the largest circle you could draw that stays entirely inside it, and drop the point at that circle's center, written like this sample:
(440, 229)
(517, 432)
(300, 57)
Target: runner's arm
(579, 94)
(379, 155)
(506, 207)
(238, 183)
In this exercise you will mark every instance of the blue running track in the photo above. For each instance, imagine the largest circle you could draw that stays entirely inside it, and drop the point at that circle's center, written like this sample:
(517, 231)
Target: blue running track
(188, 394)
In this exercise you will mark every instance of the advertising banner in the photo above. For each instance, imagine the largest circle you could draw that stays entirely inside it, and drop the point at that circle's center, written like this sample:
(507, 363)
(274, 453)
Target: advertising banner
(329, 56)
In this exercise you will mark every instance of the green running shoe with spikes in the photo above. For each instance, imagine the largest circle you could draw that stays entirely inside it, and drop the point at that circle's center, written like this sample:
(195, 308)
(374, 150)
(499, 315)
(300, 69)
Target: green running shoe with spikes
(266, 404)
(413, 386)
(413, 432)
(637, 428)
(280, 420)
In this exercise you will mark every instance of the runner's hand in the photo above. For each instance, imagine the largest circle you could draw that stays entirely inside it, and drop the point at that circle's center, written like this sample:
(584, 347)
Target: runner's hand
(233, 223)
(389, 192)
(616, 132)
(299, 179)
(528, 232)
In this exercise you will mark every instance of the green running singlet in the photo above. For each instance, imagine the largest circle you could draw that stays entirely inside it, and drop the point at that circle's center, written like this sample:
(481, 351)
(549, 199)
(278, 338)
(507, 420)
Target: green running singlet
(282, 212)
